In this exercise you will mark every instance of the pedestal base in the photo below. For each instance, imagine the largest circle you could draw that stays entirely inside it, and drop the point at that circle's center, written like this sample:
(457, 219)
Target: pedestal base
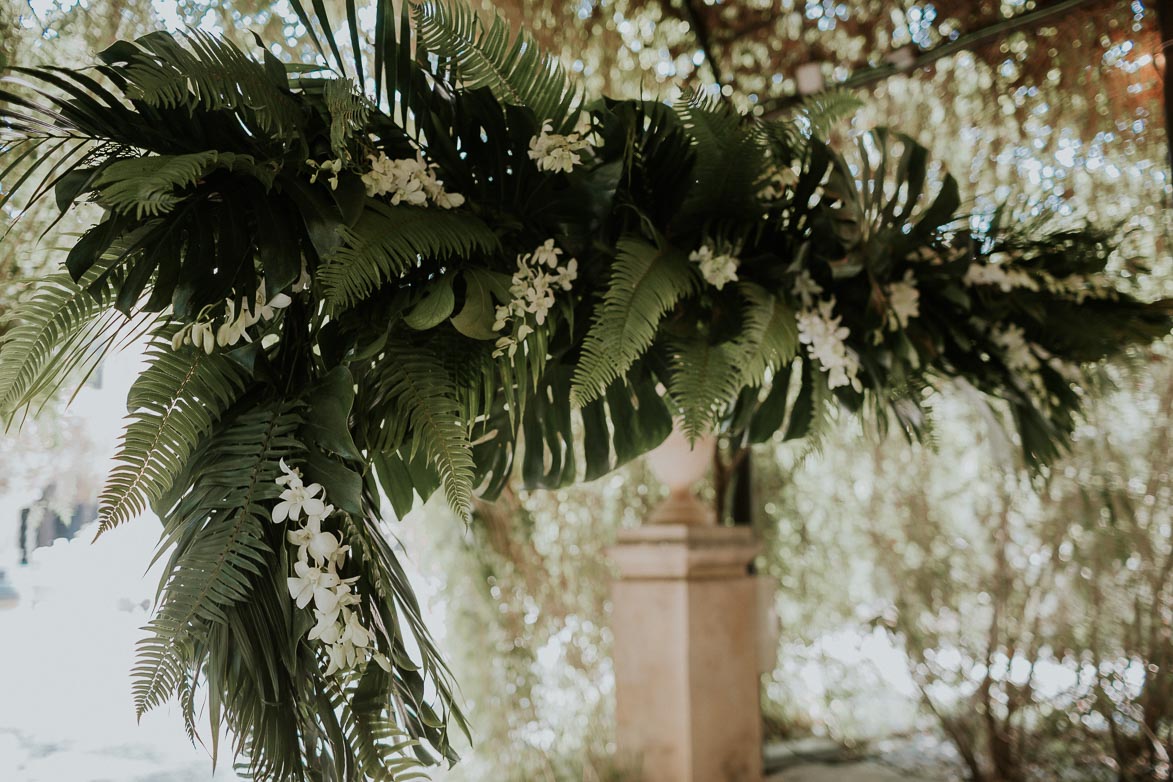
(686, 653)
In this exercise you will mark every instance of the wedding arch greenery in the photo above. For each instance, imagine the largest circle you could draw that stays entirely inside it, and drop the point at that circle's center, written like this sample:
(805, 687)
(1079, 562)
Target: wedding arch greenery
(406, 269)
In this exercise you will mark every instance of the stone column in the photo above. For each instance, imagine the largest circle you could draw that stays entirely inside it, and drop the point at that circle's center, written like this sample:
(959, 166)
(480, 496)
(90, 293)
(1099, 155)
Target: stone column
(686, 661)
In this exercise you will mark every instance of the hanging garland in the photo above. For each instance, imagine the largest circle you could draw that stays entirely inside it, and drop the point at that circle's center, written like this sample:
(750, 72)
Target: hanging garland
(348, 295)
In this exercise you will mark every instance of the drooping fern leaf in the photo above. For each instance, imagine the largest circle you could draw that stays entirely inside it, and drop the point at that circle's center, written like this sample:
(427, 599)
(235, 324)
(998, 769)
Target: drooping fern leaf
(729, 158)
(173, 403)
(646, 282)
(518, 71)
(147, 186)
(422, 399)
(821, 112)
(61, 331)
(770, 337)
(218, 532)
(348, 111)
(703, 382)
(388, 240)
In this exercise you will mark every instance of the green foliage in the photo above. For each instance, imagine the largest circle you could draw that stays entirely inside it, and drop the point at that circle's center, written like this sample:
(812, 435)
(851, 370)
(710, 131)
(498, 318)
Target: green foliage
(388, 241)
(730, 159)
(518, 71)
(146, 186)
(173, 404)
(348, 110)
(646, 282)
(218, 535)
(420, 411)
(822, 111)
(208, 73)
(60, 332)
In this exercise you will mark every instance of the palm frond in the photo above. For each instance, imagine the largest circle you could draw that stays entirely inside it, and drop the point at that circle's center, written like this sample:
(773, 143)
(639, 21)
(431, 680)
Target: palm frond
(218, 531)
(517, 71)
(210, 74)
(646, 282)
(389, 240)
(173, 404)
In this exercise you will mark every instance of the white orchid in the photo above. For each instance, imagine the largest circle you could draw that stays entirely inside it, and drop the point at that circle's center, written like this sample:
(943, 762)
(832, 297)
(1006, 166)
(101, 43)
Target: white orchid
(821, 330)
(718, 269)
(234, 328)
(533, 288)
(353, 631)
(202, 336)
(547, 254)
(903, 302)
(329, 168)
(313, 583)
(267, 310)
(806, 289)
(556, 152)
(326, 629)
(295, 499)
(290, 476)
(408, 181)
(323, 546)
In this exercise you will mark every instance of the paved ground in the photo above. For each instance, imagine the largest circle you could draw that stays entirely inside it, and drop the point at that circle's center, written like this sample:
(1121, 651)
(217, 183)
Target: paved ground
(846, 772)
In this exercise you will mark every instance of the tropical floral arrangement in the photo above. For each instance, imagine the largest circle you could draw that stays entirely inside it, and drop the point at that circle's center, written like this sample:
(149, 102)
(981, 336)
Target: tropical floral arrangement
(367, 279)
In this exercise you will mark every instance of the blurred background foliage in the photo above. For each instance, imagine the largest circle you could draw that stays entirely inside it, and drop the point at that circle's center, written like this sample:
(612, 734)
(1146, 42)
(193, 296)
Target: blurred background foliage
(1024, 622)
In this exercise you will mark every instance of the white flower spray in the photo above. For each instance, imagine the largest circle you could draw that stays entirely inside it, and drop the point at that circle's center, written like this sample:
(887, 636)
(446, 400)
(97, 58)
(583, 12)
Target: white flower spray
(315, 580)
(824, 335)
(718, 268)
(233, 326)
(408, 181)
(539, 276)
(556, 152)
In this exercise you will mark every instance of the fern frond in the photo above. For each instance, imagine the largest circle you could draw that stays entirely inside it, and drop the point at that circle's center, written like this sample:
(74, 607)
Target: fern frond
(646, 282)
(422, 400)
(218, 529)
(348, 110)
(730, 158)
(209, 74)
(703, 382)
(60, 331)
(770, 337)
(173, 404)
(517, 71)
(389, 240)
(822, 111)
(148, 186)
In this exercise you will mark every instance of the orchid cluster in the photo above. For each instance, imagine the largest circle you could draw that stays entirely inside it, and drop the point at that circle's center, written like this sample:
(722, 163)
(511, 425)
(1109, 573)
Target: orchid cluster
(538, 277)
(718, 268)
(234, 325)
(408, 181)
(327, 170)
(556, 152)
(903, 302)
(824, 335)
(319, 555)
(999, 275)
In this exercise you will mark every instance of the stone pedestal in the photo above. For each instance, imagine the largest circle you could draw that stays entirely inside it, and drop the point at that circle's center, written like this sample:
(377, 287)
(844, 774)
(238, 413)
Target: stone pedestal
(686, 653)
